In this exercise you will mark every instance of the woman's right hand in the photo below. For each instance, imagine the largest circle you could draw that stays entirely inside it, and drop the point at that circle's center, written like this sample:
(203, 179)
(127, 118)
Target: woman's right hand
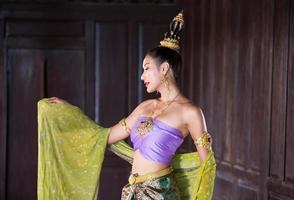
(56, 100)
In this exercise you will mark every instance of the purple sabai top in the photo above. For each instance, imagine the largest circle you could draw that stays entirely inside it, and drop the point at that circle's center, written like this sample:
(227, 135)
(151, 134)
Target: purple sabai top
(160, 144)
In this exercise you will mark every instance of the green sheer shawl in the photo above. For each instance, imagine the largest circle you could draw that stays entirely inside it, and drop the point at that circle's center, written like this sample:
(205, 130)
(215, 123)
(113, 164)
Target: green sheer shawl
(71, 151)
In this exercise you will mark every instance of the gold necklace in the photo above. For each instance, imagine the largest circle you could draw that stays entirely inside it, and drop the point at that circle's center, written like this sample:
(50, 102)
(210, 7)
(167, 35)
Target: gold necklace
(147, 125)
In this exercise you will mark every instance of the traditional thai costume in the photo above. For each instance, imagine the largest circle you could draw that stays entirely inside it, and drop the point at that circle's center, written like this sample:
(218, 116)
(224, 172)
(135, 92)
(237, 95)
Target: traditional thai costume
(159, 146)
(71, 152)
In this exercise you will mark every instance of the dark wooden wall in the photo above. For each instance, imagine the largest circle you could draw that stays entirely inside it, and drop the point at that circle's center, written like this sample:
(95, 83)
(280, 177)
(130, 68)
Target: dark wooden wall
(239, 65)
(88, 53)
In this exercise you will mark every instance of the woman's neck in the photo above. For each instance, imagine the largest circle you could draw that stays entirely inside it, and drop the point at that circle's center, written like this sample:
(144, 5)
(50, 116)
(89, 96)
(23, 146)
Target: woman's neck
(169, 94)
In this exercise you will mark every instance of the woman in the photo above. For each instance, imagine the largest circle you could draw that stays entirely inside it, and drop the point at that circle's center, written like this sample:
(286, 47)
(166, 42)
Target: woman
(157, 127)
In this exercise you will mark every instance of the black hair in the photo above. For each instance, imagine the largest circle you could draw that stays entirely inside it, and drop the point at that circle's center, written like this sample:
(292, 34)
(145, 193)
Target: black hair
(173, 58)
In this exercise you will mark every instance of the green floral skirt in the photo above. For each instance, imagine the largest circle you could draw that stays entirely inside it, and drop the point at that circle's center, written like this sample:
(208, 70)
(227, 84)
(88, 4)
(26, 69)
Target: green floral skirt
(162, 188)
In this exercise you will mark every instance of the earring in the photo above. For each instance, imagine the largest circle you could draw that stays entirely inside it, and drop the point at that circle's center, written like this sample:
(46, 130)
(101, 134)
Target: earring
(165, 81)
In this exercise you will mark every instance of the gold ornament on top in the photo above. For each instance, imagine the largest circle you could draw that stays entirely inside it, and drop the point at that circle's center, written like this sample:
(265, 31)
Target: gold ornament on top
(147, 125)
(172, 38)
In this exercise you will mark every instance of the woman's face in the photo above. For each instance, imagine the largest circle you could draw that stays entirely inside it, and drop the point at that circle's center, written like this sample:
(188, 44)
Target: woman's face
(151, 74)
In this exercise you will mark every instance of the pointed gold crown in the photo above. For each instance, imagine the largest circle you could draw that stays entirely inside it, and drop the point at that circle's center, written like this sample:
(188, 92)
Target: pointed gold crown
(172, 37)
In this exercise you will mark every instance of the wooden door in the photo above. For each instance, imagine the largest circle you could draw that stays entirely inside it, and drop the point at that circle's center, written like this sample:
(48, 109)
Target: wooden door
(87, 53)
(33, 74)
(239, 65)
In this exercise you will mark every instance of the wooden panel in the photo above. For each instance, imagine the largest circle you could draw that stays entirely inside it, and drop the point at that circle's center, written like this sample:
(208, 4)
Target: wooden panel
(104, 12)
(48, 43)
(276, 196)
(112, 71)
(117, 2)
(284, 189)
(3, 111)
(226, 75)
(242, 115)
(113, 179)
(231, 62)
(206, 85)
(34, 74)
(90, 69)
(260, 76)
(245, 192)
(25, 88)
(289, 171)
(213, 80)
(42, 28)
(280, 185)
(225, 192)
(258, 146)
(65, 72)
(279, 92)
(134, 65)
(258, 159)
(189, 38)
(45, 34)
(219, 108)
(112, 95)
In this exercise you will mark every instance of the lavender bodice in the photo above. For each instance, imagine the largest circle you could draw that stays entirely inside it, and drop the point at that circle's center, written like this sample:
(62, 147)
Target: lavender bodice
(160, 144)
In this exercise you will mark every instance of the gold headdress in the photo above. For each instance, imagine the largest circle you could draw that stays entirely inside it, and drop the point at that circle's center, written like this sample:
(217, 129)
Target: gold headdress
(172, 37)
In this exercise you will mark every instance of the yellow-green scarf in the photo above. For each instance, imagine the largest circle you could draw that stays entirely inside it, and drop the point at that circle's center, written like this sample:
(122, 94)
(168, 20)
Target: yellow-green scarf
(71, 151)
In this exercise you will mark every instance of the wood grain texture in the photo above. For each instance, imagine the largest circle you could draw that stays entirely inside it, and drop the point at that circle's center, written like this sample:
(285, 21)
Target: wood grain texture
(3, 115)
(24, 80)
(238, 72)
(279, 91)
(289, 140)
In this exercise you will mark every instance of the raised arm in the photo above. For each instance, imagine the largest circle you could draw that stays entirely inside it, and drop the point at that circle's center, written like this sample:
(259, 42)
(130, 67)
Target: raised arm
(122, 129)
(197, 128)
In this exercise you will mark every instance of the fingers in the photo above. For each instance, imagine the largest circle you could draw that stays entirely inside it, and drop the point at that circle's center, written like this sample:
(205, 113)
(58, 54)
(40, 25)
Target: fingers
(55, 100)
(52, 100)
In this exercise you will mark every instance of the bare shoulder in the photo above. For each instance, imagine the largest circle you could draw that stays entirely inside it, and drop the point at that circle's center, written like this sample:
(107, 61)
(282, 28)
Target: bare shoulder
(146, 102)
(192, 113)
(142, 106)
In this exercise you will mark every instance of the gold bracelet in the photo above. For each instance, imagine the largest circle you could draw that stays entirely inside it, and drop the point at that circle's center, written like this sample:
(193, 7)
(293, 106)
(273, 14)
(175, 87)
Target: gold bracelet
(123, 123)
(204, 141)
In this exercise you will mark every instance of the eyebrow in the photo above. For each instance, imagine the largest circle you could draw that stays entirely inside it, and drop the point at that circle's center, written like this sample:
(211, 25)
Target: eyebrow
(146, 64)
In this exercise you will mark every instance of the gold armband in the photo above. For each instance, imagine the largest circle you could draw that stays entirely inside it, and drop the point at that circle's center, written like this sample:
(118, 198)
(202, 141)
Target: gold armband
(204, 141)
(123, 123)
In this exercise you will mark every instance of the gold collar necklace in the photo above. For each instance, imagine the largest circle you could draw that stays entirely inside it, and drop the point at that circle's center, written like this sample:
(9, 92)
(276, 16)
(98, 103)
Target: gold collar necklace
(147, 125)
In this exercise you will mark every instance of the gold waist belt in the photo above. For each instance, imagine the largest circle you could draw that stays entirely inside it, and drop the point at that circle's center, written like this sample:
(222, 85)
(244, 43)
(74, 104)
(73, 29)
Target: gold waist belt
(135, 178)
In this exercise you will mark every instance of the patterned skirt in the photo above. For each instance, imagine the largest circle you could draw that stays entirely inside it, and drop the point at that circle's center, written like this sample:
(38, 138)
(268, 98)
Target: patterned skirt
(162, 188)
